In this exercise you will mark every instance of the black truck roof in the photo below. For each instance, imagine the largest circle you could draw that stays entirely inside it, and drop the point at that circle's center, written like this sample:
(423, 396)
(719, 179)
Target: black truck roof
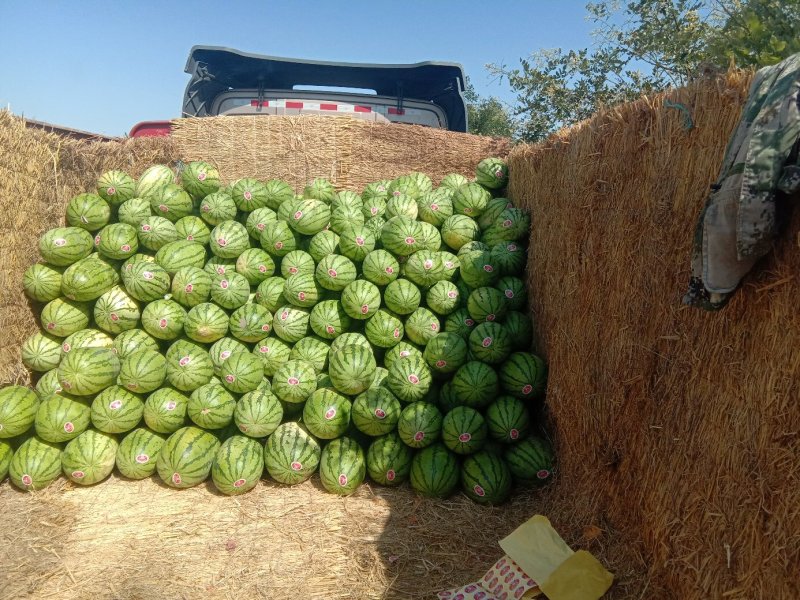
(215, 69)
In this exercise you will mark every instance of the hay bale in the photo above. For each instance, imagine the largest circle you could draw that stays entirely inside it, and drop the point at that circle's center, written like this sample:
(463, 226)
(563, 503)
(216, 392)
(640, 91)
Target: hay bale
(678, 426)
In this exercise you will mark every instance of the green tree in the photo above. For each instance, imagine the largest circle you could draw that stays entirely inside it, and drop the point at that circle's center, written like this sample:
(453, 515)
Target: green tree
(487, 116)
(644, 46)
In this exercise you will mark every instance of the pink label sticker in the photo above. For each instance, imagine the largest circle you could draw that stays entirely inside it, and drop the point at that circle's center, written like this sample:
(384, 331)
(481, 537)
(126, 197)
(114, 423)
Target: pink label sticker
(51, 326)
(190, 238)
(413, 379)
(452, 294)
(380, 413)
(330, 413)
(396, 193)
(449, 264)
(410, 240)
(222, 242)
(441, 364)
(220, 270)
(171, 405)
(478, 490)
(512, 247)
(332, 272)
(205, 208)
(507, 223)
(189, 288)
(509, 294)
(97, 240)
(262, 268)
(263, 349)
(230, 378)
(293, 270)
(163, 323)
(469, 322)
(428, 264)
(527, 389)
(359, 241)
(389, 270)
(59, 242)
(176, 478)
(298, 215)
(248, 195)
(490, 317)
(114, 317)
(78, 474)
(396, 332)
(185, 361)
(293, 381)
(125, 248)
(69, 427)
(364, 309)
(374, 210)
(65, 347)
(163, 208)
(301, 296)
(115, 405)
(26, 480)
(390, 475)
(467, 210)
(260, 226)
(499, 173)
(201, 176)
(542, 474)
(513, 434)
(111, 190)
(278, 245)
(296, 466)
(224, 354)
(284, 315)
(342, 479)
(330, 329)
(147, 275)
(146, 228)
(487, 341)
(239, 483)
(404, 353)
(265, 327)
(224, 284)
(419, 436)
(488, 268)
(434, 327)
(464, 438)
(434, 207)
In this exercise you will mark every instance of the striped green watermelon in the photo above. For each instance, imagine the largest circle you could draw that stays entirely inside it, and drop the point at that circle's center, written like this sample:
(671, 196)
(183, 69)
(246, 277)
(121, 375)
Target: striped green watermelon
(6, 453)
(490, 342)
(376, 412)
(424, 268)
(270, 293)
(335, 272)
(402, 296)
(384, 329)
(250, 323)
(181, 253)
(443, 298)
(477, 269)
(86, 338)
(453, 181)
(520, 327)
(115, 311)
(464, 430)
(60, 418)
(193, 229)
(476, 384)
(302, 290)
(310, 216)
(35, 464)
(492, 173)
(256, 265)
(142, 372)
(458, 230)
(164, 319)
(379, 378)
(523, 375)
(460, 323)
(171, 202)
(118, 241)
(356, 242)
(46, 386)
(435, 208)
(323, 244)
(512, 225)
(530, 460)
(191, 286)
(509, 257)
(404, 349)
(447, 399)
(229, 239)
(88, 211)
(375, 227)
(217, 207)
(421, 326)
(374, 206)
(63, 246)
(189, 366)
(134, 211)
(513, 288)
(430, 238)
(278, 239)
(470, 199)
(152, 179)
(343, 217)
(258, 413)
(328, 319)
(486, 478)
(434, 472)
(88, 279)
(377, 189)
(18, 408)
(276, 191)
(41, 352)
(131, 341)
(380, 267)
(313, 350)
(400, 235)
(89, 458)
(290, 323)
(389, 460)
(115, 187)
(211, 406)
(326, 414)
(238, 465)
(206, 323)
(200, 179)
(258, 220)
(273, 352)
(420, 424)
(487, 304)
(294, 381)
(494, 209)
(320, 189)
(165, 410)
(361, 299)
(42, 282)
(219, 267)
(346, 198)
(86, 371)
(230, 291)
(346, 339)
(473, 247)
(155, 232)
(138, 452)
(186, 457)
(242, 372)
(291, 454)
(446, 352)
(146, 281)
(351, 368)
(249, 194)
(508, 419)
(402, 205)
(342, 466)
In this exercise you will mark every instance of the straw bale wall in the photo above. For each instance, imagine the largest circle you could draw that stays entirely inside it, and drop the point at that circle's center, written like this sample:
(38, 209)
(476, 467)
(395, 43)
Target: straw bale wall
(680, 428)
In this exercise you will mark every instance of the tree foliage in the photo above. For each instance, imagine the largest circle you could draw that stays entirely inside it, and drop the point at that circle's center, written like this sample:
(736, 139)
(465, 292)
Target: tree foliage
(487, 116)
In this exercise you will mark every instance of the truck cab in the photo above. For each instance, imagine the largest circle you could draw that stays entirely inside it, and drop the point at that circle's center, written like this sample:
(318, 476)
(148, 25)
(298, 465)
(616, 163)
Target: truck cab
(224, 81)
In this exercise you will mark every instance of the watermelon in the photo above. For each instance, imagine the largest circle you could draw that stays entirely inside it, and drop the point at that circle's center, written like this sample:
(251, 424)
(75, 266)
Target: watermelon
(400, 235)
(131, 341)
(460, 323)
(61, 418)
(146, 281)
(88, 211)
(326, 414)
(509, 257)
(376, 412)
(42, 282)
(435, 208)
(115, 311)
(35, 464)
(181, 253)
(242, 372)
(389, 460)
(424, 268)
(249, 194)
(301, 290)
(377, 189)
(134, 211)
(402, 205)
(328, 319)
(6, 453)
(430, 238)
(193, 229)
(155, 232)
(250, 323)
(290, 323)
(63, 246)
(238, 465)
(520, 328)
(273, 352)
(256, 265)
(380, 377)
(494, 209)
(421, 326)
(86, 338)
(453, 181)
(402, 296)
(335, 272)
(46, 386)
(361, 299)
(219, 267)
(312, 350)
(487, 304)
(88, 279)
(278, 239)
(464, 430)
(446, 352)
(320, 189)
(117, 241)
(86, 371)
(530, 460)
(138, 452)
(276, 191)
(323, 244)
(115, 187)
(152, 179)
(490, 342)
(420, 424)
(458, 230)
(434, 472)
(211, 406)
(189, 366)
(41, 352)
(206, 323)
(142, 372)
(473, 247)
(89, 458)
(200, 179)
(310, 216)
(356, 242)
(523, 375)
(447, 399)
(476, 384)
(165, 410)
(384, 329)
(291, 454)
(230, 291)
(270, 293)
(191, 286)
(258, 413)
(164, 319)
(375, 226)
(470, 199)
(486, 478)
(171, 202)
(346, 198)
(443, 298)
(513, 288)
(402, 350)
(477, 269)
(351, 368)
(294, 381)
(258, 220)
(342, 466)
(186, 457)
(217, 207)
(346, 339)
(18, 409)
(343, 217)
(507, 419)
(229, 239)
(492, 173)
(380, 267)
(512, 224)
(374, 207)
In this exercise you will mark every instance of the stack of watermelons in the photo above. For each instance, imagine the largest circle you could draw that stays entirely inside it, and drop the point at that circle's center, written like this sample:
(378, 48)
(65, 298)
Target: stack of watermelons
(192, 330)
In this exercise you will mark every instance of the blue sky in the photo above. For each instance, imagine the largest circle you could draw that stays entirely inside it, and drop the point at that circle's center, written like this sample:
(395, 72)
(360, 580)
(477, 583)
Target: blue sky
(104, 66)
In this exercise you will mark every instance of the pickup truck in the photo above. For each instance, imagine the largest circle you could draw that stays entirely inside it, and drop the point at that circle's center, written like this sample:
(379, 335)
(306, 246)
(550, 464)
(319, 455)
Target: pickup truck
(224, 81)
